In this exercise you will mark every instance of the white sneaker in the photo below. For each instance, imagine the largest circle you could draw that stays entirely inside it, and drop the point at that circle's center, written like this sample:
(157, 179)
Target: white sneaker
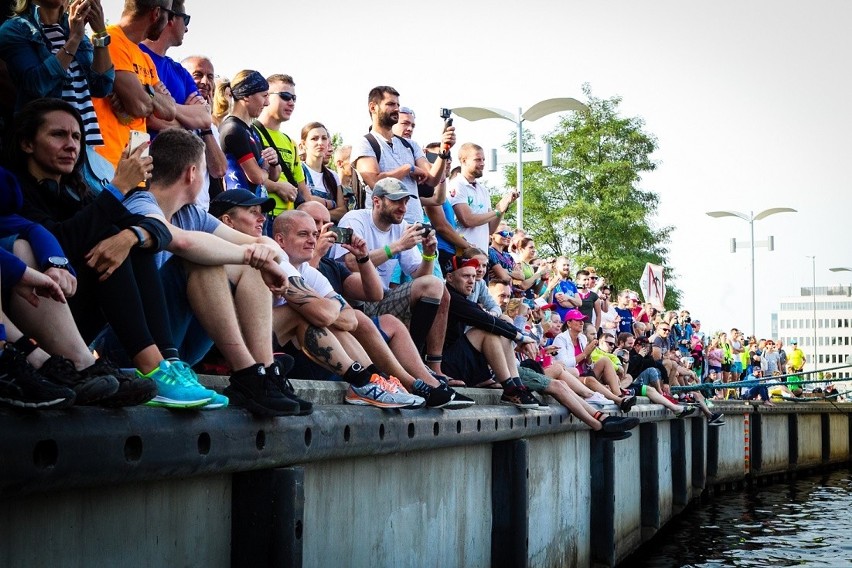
(597, 399)
(382, 393)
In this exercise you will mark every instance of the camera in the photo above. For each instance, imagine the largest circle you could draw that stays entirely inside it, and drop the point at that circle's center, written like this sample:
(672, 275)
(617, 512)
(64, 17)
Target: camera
(445, 113)
(426, 229)
(344, 234)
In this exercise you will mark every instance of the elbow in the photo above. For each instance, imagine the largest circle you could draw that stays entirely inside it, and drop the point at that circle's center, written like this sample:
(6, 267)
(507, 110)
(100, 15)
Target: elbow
(180, 245)
(216, 170)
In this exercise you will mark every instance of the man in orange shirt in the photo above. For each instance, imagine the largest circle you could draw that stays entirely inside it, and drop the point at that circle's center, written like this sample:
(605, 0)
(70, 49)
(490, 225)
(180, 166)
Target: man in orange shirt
(138, 92)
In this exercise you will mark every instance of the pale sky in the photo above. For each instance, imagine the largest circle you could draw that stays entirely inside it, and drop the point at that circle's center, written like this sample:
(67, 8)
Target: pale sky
(746, 99)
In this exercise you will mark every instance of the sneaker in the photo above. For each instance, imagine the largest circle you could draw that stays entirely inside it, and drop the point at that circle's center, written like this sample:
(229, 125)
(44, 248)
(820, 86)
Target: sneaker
(218, 401)
(619, 423)
(597, 399)
(441, 396)
(519, 396)
(175, 388)
(88, 386)
(613, 436)
(382, 393)
(716, 419)
(254, 389)
(22, 386)
(687, 411)
(670, 398)
(277, 372)
(133, 389)
(627, 403)
(459, 400)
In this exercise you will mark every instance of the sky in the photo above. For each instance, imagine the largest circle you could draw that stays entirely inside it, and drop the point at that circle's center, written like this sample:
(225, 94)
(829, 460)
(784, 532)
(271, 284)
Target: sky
(746, 99)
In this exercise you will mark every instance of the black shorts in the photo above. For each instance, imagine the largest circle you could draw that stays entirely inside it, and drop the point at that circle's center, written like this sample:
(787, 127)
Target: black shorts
(462, 361)
(726, 367)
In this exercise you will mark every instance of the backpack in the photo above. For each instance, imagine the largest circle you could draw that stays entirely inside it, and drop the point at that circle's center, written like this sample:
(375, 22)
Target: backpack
(423, 189)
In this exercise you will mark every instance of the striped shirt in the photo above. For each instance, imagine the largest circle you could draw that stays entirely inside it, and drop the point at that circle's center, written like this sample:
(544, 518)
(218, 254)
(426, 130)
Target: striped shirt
(75, 90)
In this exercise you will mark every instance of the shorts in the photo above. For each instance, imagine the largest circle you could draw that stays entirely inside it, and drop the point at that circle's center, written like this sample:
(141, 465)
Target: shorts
(532, 380)
(463, 361)
(737, 366)
(726, 367)
(396, 302)
(636, 389)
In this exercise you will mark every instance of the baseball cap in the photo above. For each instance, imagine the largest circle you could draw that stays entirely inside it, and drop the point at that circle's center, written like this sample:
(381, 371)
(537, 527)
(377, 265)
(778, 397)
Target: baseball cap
(457, 262)
(794, 341)
(238, 198)
(391, 188)
(573, 314)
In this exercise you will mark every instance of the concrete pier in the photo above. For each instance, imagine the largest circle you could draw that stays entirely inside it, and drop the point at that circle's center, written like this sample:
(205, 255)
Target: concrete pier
(353, 486)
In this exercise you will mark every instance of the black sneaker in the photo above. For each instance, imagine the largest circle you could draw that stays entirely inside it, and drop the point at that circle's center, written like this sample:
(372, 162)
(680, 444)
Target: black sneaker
(22, 386)
(519, 396)
(253, 389)
(619, 423)
(277, 372)
(88, 386)
(716, 419)
(613, 436)
(459, 400)
(133, 390)
(436, 397)
(627, 403)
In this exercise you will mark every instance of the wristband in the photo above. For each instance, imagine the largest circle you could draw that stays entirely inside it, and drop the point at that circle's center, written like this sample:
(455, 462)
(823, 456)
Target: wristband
(388, 252)
(411, 171)
(445, 155)
(498, 213)
(207, 132)
(363, 260)
(140, 236)
(429, 257)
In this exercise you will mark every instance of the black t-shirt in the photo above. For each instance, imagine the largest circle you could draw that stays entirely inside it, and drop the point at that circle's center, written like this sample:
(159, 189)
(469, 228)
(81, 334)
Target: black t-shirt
(587, 308)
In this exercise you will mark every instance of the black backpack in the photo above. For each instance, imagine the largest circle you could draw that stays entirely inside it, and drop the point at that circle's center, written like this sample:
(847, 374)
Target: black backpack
(423, 189)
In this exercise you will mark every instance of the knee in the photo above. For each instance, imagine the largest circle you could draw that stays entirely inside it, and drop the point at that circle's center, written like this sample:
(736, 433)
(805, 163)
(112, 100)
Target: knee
(429, 287)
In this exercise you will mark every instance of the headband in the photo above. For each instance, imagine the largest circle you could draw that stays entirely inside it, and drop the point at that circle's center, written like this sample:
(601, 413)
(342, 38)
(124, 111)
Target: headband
(251, 84)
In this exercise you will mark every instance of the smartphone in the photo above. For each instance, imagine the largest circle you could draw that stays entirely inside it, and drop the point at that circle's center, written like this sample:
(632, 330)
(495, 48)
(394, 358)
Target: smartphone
(137, 138)
(344, 234)
(426, 229)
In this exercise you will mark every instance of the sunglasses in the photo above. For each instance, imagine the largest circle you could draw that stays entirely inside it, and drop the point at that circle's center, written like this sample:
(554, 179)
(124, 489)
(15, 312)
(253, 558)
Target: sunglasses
(664, 329)
(172, 16)
(610, 343)
(506, 234)
(286, 96)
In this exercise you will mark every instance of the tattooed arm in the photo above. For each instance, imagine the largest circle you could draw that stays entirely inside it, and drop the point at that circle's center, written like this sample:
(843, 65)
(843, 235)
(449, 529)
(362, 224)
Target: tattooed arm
(317, 311)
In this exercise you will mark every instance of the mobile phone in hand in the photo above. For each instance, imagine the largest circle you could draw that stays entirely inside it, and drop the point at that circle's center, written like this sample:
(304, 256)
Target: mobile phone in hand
(344, 234)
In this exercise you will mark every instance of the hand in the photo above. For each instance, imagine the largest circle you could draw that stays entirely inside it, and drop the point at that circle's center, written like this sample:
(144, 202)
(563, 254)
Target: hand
(430, 243)
(358, 247)
(325, 240)
(591, 346)
(34, 284)
(289, 191)
(419, 174)
(528, 349)
(274, 277)
(269, 156)
(448, 138)
(67, 282)
(110, 253)
(161, 89)
(257, 255)
(96, 16)
(411, 237)
(132, 169)
(78, 13)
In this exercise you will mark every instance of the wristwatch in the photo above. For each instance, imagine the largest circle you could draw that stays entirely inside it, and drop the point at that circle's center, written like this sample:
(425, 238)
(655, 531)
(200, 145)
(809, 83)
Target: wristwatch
(57, 262)
(101, 40)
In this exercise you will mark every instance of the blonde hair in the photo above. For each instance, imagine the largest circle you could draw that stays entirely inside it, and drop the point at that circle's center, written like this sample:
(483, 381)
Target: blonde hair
(515, 307)
(221, 100)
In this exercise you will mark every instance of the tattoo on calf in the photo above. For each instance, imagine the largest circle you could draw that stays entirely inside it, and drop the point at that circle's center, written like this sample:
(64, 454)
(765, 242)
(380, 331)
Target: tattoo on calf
(323, 355)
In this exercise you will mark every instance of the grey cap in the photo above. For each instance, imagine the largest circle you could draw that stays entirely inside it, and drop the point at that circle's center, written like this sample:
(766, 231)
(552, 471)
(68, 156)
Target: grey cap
(391, 188)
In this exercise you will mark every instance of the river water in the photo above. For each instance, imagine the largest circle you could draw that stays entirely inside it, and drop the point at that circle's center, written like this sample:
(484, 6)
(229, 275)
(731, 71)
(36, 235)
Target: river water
(803, 522)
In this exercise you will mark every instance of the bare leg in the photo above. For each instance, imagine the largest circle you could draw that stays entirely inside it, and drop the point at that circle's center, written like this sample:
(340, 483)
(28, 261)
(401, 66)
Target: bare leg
(317, 343)
(38, 356)
(497, 351)
(604, 370)
(253, 301)
(400, 357)
(572, 401)
(655, 397)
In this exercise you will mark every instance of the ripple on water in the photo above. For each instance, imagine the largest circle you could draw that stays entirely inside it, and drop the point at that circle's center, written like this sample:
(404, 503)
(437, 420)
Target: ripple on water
(801, 522)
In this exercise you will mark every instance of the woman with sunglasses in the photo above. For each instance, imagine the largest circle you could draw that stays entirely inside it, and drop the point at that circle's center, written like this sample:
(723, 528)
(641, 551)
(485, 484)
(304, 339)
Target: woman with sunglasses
(501, 265)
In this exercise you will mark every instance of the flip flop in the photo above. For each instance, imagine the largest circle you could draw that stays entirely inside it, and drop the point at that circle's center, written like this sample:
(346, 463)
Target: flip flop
(489, 384)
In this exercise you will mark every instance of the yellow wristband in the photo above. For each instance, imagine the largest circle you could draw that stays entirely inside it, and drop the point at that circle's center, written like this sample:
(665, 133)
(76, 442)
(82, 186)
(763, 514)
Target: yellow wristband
(429, 257)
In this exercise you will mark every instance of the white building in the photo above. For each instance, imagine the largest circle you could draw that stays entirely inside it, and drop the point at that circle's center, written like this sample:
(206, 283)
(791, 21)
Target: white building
(833, 333)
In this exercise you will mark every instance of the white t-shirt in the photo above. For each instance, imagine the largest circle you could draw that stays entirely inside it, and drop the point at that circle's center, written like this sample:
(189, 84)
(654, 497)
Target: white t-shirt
(310, 275)
(394, 155)
(476, 197)
(361, 222)
(203, 199)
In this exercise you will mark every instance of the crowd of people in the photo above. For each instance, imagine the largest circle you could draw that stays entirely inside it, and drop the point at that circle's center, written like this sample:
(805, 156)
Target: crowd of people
(376, 262)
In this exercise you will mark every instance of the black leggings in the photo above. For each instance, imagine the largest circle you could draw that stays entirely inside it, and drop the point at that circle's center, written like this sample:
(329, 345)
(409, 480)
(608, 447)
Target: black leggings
(130, 301)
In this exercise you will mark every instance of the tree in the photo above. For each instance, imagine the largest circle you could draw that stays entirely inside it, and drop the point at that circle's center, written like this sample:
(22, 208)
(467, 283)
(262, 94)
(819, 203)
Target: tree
(589, 205)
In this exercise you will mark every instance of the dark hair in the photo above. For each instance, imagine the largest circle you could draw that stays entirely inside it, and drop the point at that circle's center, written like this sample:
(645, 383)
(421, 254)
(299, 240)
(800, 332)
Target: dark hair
(25, 127)
(327, 176)
(377, 94)
(173, 150)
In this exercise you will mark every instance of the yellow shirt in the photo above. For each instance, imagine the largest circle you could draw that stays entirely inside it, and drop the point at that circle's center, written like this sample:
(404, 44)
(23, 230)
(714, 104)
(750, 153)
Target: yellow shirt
(126, 56)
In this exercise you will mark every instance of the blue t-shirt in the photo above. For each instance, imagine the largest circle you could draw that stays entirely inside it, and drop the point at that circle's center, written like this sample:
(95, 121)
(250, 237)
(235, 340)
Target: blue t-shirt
(189, 217)
(176, 79)
(626, 323)
(451, 219)
(565, 287)
(240, 143)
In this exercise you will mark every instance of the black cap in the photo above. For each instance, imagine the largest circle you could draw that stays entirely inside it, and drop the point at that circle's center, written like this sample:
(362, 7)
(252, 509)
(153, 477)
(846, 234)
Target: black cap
(238, 198)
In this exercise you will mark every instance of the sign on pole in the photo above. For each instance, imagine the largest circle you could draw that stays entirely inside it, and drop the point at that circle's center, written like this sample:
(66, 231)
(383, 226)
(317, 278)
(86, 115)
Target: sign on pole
(653, 285)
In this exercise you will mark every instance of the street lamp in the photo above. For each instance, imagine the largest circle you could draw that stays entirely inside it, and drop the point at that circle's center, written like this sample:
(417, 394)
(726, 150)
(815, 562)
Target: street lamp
(750, 219)
(841, 269)
(538, 110)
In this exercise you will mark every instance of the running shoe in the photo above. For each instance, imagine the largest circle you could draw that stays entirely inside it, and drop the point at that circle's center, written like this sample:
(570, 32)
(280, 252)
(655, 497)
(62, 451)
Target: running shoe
(132, 388)
(277, 372)
(627, 403)
(716, 419)
(687, 411)
(175, 388)
(382, 393)
(441, 396)
(619, 423)
(254, 389)
(519, 396)
(22, 386)
(218, 401)
(89, 386)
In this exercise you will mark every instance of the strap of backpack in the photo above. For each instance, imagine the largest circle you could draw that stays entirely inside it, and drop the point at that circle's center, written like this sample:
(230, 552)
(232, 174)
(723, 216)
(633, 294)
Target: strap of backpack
(285, 167)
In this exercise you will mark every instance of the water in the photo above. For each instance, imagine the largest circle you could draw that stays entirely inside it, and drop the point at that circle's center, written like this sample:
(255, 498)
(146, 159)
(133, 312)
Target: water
(804, 522)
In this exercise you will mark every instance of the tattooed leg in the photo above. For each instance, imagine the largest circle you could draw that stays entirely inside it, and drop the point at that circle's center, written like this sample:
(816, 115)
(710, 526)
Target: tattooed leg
(324, 349)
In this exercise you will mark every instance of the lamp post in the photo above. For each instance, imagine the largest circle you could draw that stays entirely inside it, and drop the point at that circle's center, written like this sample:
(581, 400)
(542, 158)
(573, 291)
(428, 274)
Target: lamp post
(750, 219)
(538, 110)
(813, 295)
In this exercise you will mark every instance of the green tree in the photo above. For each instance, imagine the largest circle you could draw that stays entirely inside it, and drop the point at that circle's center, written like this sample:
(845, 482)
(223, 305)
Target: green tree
(589, 205)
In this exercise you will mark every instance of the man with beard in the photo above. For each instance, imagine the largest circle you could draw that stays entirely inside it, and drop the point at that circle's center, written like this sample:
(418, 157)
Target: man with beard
(471, 201)
(138, 92)
(398, 159)
(421, 303)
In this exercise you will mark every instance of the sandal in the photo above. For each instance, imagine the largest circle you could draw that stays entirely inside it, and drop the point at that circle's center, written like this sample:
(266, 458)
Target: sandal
(489, 384)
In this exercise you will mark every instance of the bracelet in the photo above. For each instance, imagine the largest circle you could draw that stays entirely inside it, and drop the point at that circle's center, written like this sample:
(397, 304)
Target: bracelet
(207, 132)
(100, 33)
(411, 171)
(499, 213)
(429, 257)
(363, 260)
(140, 236)
(388, 252)
(67, 52)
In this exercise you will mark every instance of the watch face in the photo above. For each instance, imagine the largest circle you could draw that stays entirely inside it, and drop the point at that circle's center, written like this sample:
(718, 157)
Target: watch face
(58, 260)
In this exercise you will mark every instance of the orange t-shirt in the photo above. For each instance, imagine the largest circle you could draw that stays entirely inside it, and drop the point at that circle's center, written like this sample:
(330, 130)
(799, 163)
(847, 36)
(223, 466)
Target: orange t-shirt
(126, 56)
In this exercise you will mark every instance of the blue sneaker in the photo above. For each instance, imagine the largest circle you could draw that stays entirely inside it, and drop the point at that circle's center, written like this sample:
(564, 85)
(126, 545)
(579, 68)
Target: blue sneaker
(218, 401)
(176, 388)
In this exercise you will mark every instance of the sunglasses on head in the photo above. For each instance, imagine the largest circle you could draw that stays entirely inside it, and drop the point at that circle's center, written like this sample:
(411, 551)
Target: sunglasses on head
(286, 96)
(506, 234)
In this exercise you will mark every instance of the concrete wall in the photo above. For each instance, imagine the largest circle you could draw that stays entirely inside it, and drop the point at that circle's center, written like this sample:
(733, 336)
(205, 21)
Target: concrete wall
(771, 449)
(808, 440)
(838, 431)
